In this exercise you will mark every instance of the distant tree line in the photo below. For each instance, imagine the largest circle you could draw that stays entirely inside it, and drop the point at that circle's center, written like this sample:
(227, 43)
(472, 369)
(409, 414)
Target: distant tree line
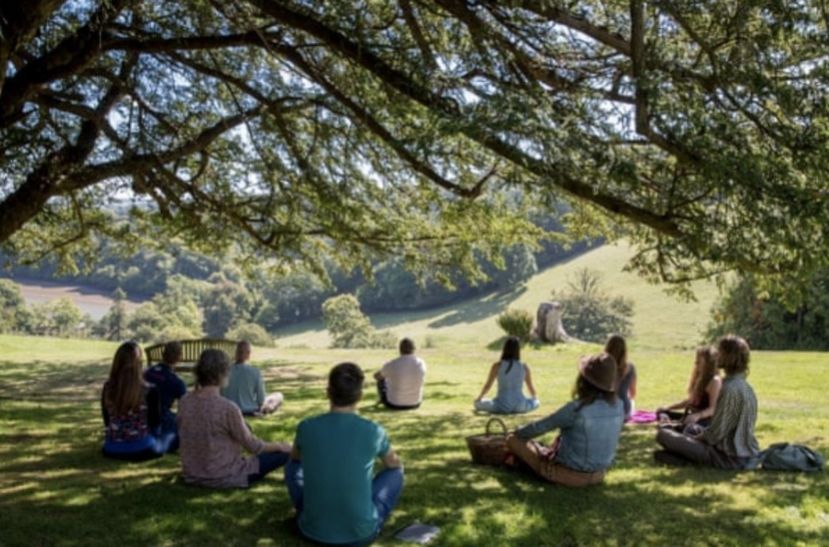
(217, 295)
(189, 295)
(769, 318)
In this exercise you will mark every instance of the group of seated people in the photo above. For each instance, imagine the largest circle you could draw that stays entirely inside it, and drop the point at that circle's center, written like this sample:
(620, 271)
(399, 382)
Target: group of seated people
(337, 496)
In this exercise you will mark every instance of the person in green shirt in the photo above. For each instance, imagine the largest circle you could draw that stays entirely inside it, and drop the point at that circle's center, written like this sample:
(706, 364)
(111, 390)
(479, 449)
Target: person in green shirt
(330, 478)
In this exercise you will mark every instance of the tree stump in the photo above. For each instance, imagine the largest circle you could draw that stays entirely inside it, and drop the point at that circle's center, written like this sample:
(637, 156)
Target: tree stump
(548, 323)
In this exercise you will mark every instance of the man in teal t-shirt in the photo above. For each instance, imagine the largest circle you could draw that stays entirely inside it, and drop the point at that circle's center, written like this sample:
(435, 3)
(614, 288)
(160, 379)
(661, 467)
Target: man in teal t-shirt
(330, 477)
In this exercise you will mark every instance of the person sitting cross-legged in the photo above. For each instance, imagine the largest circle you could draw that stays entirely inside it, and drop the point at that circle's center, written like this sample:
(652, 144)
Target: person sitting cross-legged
(246, 388)
(131, 409)
(212, 433)
(728, 442)
(511, 374)
(170, 387)
(400, 381)
(590, 426)
(330, 477)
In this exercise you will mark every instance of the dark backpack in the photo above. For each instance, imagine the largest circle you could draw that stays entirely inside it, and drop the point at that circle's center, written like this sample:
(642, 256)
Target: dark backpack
(791, 457)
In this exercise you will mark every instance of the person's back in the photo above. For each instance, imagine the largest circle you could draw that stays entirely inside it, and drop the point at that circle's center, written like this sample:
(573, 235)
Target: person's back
(330, 478)
(732, 427)
(511, 375)
(404, 377)
(170, 389)
(169, 385)
(132, 425)
(210, 453)
(213, 433)
(510, 397)
(245, 387)
(338, 453)
(624, 389)
(590, 443)
(131, 410)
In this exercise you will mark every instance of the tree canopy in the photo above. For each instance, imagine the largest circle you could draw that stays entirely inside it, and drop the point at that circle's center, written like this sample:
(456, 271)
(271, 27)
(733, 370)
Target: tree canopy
(696, 129)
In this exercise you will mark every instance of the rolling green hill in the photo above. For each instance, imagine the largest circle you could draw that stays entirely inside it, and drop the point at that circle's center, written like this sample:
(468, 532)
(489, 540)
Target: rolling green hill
(661, 321)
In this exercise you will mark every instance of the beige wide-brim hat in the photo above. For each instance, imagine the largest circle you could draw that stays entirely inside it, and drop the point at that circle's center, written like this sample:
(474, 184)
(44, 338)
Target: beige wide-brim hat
(599, 370)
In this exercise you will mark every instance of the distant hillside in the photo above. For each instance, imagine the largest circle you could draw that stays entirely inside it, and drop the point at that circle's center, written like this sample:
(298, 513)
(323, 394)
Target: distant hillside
(660, 320)
(92, 300)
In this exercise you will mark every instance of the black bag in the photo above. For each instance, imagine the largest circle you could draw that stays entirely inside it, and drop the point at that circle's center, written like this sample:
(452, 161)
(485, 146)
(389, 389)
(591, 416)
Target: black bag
(791, 457)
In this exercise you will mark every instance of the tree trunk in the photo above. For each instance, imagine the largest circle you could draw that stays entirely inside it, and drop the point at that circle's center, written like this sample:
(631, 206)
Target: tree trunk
(549, 328)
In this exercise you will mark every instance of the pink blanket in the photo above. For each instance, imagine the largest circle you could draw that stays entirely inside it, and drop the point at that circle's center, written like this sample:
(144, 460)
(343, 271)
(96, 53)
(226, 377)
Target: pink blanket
(642, 417)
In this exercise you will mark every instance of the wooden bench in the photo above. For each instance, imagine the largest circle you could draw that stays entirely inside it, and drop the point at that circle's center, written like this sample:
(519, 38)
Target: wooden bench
(190, 351)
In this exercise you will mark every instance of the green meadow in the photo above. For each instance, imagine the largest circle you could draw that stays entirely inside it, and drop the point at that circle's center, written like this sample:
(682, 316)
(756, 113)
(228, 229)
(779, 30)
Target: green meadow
(56, 489)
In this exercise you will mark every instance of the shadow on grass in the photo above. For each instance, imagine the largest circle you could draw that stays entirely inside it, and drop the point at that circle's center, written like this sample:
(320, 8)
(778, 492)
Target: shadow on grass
(486, 307)
(534, 343)
(56, 488)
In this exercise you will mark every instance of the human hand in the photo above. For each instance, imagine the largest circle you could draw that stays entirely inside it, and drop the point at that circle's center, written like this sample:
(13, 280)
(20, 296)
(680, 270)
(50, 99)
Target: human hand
(284, 447)
(690, 419)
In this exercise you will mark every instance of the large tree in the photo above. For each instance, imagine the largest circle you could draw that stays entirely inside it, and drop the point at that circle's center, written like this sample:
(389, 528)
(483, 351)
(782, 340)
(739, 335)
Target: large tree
(696, 128)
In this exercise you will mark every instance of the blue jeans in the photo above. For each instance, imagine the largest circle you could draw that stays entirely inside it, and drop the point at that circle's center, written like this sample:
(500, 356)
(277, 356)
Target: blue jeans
(147, 448)
(385, 492)
(268, 461)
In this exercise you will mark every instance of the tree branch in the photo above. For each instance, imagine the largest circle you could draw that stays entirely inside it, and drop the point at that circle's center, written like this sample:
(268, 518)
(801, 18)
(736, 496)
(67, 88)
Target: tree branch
(395, 79)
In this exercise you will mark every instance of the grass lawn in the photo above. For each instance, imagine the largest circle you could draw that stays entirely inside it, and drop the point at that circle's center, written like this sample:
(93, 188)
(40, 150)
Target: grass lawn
(56, 489)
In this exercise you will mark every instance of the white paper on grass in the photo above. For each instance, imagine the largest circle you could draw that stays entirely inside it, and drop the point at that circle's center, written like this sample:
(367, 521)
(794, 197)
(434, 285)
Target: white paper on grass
(418, 533)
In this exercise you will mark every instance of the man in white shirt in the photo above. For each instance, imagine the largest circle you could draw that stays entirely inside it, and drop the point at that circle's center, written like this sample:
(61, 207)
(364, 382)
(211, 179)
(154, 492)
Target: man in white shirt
(400, 381)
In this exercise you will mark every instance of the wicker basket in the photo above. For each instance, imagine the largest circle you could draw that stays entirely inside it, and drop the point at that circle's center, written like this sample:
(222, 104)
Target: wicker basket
(489, 448)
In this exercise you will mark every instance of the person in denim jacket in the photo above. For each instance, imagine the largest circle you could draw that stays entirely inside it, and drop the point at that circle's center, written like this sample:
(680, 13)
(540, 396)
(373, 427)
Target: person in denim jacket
(590, 426)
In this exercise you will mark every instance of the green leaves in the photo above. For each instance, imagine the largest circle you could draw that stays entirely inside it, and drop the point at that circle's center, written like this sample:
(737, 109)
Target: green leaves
(293, 132)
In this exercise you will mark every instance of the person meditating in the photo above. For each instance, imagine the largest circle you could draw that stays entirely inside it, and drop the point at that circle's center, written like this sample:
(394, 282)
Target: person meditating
(170, 386)
(703, 391)
(728, 442)
(617, 348)
(400, 381)
(246, 388)
(212, 433)
(511, 375)
(131, 410)
(590, 426)
(330, 477)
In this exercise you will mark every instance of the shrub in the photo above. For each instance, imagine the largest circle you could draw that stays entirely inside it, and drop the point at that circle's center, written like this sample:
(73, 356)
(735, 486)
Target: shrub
(591, 314)
(176, 331)
(14, 315)
(516, 323)
(59, 317)
(251, 332)
(349, 328)
(385, 339)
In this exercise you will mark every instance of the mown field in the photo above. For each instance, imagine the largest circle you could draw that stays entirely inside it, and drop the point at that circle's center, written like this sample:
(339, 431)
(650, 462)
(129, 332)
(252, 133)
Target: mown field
(56, 489)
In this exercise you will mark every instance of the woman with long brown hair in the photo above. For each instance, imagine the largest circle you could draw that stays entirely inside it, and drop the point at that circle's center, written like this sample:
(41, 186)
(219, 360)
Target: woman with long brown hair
(131, 409)
(728, 442)
(616, 347)
(703, 391)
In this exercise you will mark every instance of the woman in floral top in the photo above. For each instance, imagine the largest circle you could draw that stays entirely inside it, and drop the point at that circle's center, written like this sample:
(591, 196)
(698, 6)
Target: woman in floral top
(131, 410)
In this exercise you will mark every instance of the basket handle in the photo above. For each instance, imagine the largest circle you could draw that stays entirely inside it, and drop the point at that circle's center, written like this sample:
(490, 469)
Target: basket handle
(498, 421)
